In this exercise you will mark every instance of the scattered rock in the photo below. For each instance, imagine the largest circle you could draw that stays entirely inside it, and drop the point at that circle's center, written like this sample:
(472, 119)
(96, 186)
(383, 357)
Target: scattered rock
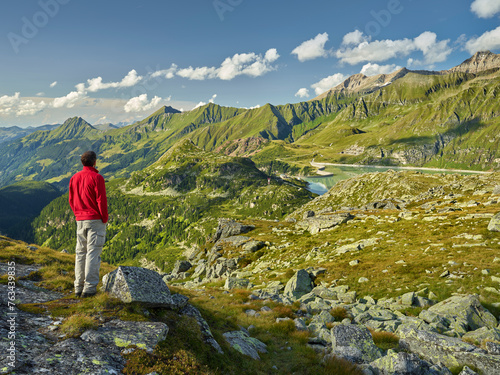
(233, 283)
(403, 363)
(449, 351)
(316, 224)
(494, 225)
(245, 344)
(466, 312)
(298, 285)
(354, 342)
(136, 284)
(229, 227)
(181, 266)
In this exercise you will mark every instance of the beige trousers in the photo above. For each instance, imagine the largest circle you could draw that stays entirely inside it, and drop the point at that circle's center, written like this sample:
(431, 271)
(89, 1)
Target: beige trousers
(90, 237)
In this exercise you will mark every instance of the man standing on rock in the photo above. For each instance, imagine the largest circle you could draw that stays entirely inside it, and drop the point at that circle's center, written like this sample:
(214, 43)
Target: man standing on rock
(87, 198)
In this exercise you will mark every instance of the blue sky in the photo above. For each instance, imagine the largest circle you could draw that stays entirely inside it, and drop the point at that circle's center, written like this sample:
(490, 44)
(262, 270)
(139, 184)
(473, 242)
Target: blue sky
(112, 61)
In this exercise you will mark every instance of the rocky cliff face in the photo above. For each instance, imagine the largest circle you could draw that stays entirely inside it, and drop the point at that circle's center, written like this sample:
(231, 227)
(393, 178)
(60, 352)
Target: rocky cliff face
(483, 60)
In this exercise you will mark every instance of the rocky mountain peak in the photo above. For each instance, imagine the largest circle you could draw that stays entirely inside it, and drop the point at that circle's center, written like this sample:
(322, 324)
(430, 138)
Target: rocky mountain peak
(480, 61)
(169, 109)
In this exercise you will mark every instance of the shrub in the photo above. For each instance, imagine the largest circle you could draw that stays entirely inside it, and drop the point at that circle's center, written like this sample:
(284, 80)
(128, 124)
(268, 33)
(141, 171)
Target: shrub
(76, 324)
(385, 340)
(340, 313)
(340, 366)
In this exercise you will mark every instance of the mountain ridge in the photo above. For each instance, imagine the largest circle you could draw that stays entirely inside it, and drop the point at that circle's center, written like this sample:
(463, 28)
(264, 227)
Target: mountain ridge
(360, 83)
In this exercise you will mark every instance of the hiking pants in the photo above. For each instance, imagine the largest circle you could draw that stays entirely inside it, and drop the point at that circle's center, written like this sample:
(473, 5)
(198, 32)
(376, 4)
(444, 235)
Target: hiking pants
(90, 237)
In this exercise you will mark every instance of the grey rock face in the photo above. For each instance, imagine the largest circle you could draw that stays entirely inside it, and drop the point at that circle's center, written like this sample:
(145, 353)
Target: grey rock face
(316, 224)
(465, 311)
(233, 282)
(356, 341)
(245, 344)
(228, 227)
(494, 225)
(449, 351)
(252, 246)
(121, 334)
(298, 285)
(74, 356)
(135, 284)
(403, 364)
(181, 266)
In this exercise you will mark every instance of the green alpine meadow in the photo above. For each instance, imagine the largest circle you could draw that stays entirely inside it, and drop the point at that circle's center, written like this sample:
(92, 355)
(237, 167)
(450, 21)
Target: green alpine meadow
(220, 259)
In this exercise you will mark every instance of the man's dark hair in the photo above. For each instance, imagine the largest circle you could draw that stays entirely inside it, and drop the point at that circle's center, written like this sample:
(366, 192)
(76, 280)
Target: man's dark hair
(88, 158)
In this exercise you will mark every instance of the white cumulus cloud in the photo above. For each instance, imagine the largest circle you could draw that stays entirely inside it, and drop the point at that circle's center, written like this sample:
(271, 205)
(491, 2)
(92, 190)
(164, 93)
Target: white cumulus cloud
(485, 8)
(312, 48)
(131, 79)
(141, 103)
(302, 93)
(249, 64)
(199, 74)
(490, 40)
(70, 99)
(354, 38)
(374, 69)
(381, 50)
(30, 107)
(16, 105)
(165, 73)
(327, 83)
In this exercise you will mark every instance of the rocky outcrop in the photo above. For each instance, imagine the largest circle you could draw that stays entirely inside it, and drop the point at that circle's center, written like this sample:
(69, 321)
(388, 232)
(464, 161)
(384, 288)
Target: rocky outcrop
(451, 352)
(480, 61)
(354, 342)
(395, 363)
(464, 313)
(144, 335)
(494, 225)
(315, 224)
(299, 285)
(242, 342)
(136, 284)
(229, 227)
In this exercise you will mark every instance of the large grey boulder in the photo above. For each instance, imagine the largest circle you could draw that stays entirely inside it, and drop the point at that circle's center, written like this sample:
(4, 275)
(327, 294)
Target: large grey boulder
(316, 224)
(494, 225)
(181, 266)
(235, 283)
(252, 246)
(465, 313)
(136, 284)
(228, 227)
(298, 285)
(245, 344)
(482, 334)
(449, 351)
(355, 343)
(402, 364)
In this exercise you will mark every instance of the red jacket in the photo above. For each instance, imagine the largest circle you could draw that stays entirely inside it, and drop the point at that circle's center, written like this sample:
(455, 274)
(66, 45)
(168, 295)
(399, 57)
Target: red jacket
(87, 195)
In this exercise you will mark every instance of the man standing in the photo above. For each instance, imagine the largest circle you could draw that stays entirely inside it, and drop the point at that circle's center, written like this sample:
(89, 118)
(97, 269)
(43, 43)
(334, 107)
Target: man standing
(87, 198)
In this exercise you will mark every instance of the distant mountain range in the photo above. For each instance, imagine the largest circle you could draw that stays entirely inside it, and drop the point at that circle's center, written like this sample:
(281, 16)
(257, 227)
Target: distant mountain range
(10, 133)
(447, 119)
